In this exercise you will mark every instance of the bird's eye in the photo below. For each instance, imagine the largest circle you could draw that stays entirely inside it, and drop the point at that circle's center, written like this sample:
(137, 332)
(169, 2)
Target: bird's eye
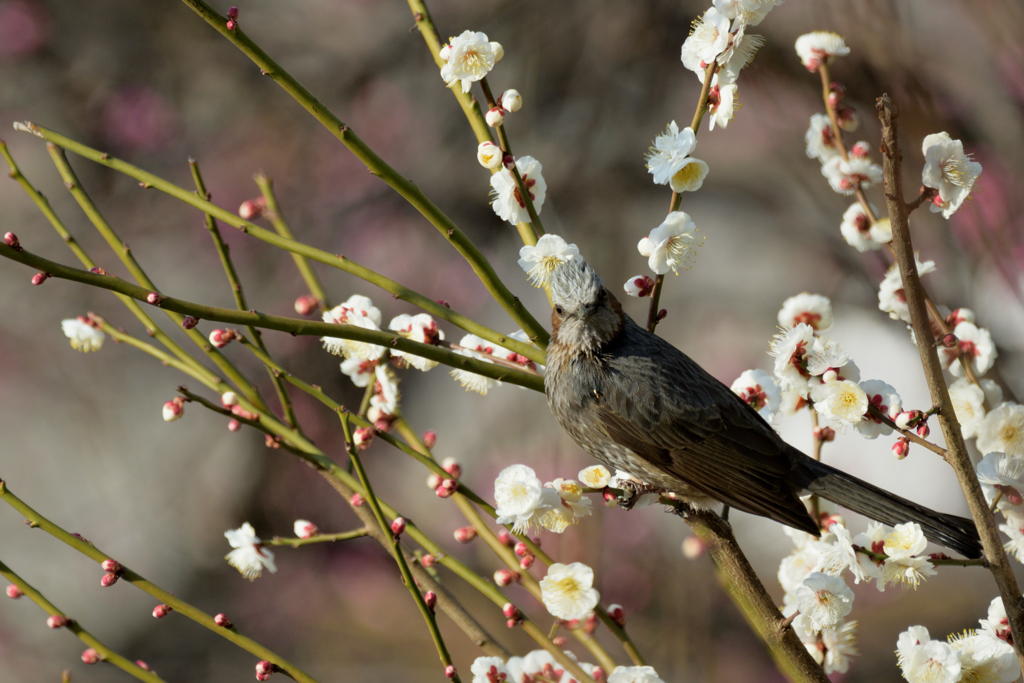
(602, 295)
(559, 311)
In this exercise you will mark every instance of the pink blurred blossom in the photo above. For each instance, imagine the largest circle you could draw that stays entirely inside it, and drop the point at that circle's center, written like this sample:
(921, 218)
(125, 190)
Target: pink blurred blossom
(139, 118)
(25, 28)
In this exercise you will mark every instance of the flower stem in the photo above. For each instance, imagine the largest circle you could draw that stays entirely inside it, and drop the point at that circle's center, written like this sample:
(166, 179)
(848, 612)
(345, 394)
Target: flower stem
(319, 538)
(379, 168)
(958, 457)
(86, 548)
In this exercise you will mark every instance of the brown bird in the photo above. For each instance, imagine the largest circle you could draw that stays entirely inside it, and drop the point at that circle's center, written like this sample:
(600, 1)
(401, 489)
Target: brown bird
(638, 404)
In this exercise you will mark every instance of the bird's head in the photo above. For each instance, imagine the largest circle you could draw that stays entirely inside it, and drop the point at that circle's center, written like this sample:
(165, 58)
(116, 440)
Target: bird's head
(585, 315)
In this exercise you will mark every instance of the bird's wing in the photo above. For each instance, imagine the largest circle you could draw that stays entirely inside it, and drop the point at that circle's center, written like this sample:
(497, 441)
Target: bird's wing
(679, 418)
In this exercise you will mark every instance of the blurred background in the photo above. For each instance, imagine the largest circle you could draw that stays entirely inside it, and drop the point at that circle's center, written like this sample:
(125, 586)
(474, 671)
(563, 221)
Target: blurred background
(82, 436)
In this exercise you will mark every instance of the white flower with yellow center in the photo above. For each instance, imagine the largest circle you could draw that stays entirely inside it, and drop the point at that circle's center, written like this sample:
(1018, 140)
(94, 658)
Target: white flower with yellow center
(518, 494)
(84, 337)
(948, 170)
(564, 503)
(470, 57)
(708, 38)
(924, 660)
(670, 246)
(984, 659)
(902, 546)
(969, 403)
(905, 540)
(540, 261)
(843, 402)
(818, 47)
(1002, 430)
(670, 163)
(595, 476)
(508, 203)
(249, 556)
(567, 591)
(841, 555)
(824, 600)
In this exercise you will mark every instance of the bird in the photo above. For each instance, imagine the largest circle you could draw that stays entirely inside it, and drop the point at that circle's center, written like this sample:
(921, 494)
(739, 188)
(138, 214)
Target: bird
(638, 404)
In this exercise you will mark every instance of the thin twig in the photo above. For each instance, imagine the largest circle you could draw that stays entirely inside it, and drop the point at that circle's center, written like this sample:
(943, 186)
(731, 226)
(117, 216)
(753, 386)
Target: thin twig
(319, 538)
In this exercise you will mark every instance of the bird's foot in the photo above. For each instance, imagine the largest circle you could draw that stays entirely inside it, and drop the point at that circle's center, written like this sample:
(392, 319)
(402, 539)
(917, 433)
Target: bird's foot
(634, 492)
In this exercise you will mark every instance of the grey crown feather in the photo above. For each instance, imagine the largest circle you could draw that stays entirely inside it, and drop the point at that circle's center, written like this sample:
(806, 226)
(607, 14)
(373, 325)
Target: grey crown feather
(575, 283)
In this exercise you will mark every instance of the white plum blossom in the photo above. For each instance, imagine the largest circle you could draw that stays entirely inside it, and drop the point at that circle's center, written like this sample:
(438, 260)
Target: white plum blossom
(565, 507)
(976, 344)
(824, 600)
(845, 174)
(1002, 430)
(883, 398)
(470, 57)
(924, 660)
(760, 391)
(540, 261)
(595, 476)
(358, 311)
(708, 39)
(722, 103)
(996, 623)
(904, 565)
(538, 663)
(858, 231)
(567, 591)
(634, 674)
(385, 390)
(84, 337)
(249, 556)
(799, 564)
(842, 402)
(419, 328)
(830, 362)
(508, 203)
(820, 139)
(639, 286)
(670, 246)
(984, 658)
(811, 309)
(1002, 475)
(969, 403)
(818, 47)
(1014, 528)
(840, 644)
(948, 170)
(489, 155)
(489, 670)
(480, 349)
(360, 370)
(670, 163)
(518, 494)
(842, 555)
(891, 297)
(790, 349)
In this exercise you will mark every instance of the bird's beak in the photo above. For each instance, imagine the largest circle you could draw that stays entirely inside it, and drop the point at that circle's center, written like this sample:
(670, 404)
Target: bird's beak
(585, 311)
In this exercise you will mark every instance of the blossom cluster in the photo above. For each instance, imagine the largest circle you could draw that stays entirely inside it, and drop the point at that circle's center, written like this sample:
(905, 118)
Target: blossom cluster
(527, 504)
(975, 655)
(541, 665)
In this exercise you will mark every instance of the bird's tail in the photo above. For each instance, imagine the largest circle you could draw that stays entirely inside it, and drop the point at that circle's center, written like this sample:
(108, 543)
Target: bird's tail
(955, 533)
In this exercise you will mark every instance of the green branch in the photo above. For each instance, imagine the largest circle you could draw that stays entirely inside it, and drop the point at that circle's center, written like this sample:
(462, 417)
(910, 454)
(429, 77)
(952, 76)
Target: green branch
(273, 322)
(319, 538)
(36, 520)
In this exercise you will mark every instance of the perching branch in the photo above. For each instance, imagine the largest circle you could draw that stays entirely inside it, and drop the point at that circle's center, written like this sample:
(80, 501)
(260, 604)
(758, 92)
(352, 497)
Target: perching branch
(956, 449)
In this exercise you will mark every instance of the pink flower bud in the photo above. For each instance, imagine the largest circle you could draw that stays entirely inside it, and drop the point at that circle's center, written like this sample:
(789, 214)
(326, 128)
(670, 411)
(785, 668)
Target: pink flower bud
(662, 314)
(108, 580)
(173, 411)
(449, 671)
(860, 149)
(356, 500)
(465, 534)
(234, 426)
(837, 88)
(591, 624)
(397, 526)
(527, 562)
(536, 541)
(923, 431)
(142, 665)
(430, 598)
(96, 270)
(452, 467)
(495, 117)
(40, 278)
(903, 419)
(305, 529)
(161, 611)
(264, 669)
(833, 100)
(90, 656)
(240, 412)
(222, 620)
(251, 209)
(13, 592)
(447, 488)
(847, 119)
(428, 560)
(506, 577)
(693, 547)
(363, 437)
(617, 614)
(824, 434)
(57, 621)
(901, 448)
(560, 641)
(306, 304)
(189, 322)
(639, 286)
(220, 338)
(508, 161)
(433, 481)
(609, 499)
(154, 298)
(511, 611)
(232, 12)
(11, 240)
(506, 538)
(521, 549)
(229, 399)
(430, 438)
(949, 341)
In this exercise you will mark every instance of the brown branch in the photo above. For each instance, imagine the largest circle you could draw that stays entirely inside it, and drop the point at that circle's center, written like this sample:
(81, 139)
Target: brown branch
(999, 565)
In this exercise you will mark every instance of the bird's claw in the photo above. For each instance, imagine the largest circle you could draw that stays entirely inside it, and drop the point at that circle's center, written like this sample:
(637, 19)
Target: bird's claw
(633, 490)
